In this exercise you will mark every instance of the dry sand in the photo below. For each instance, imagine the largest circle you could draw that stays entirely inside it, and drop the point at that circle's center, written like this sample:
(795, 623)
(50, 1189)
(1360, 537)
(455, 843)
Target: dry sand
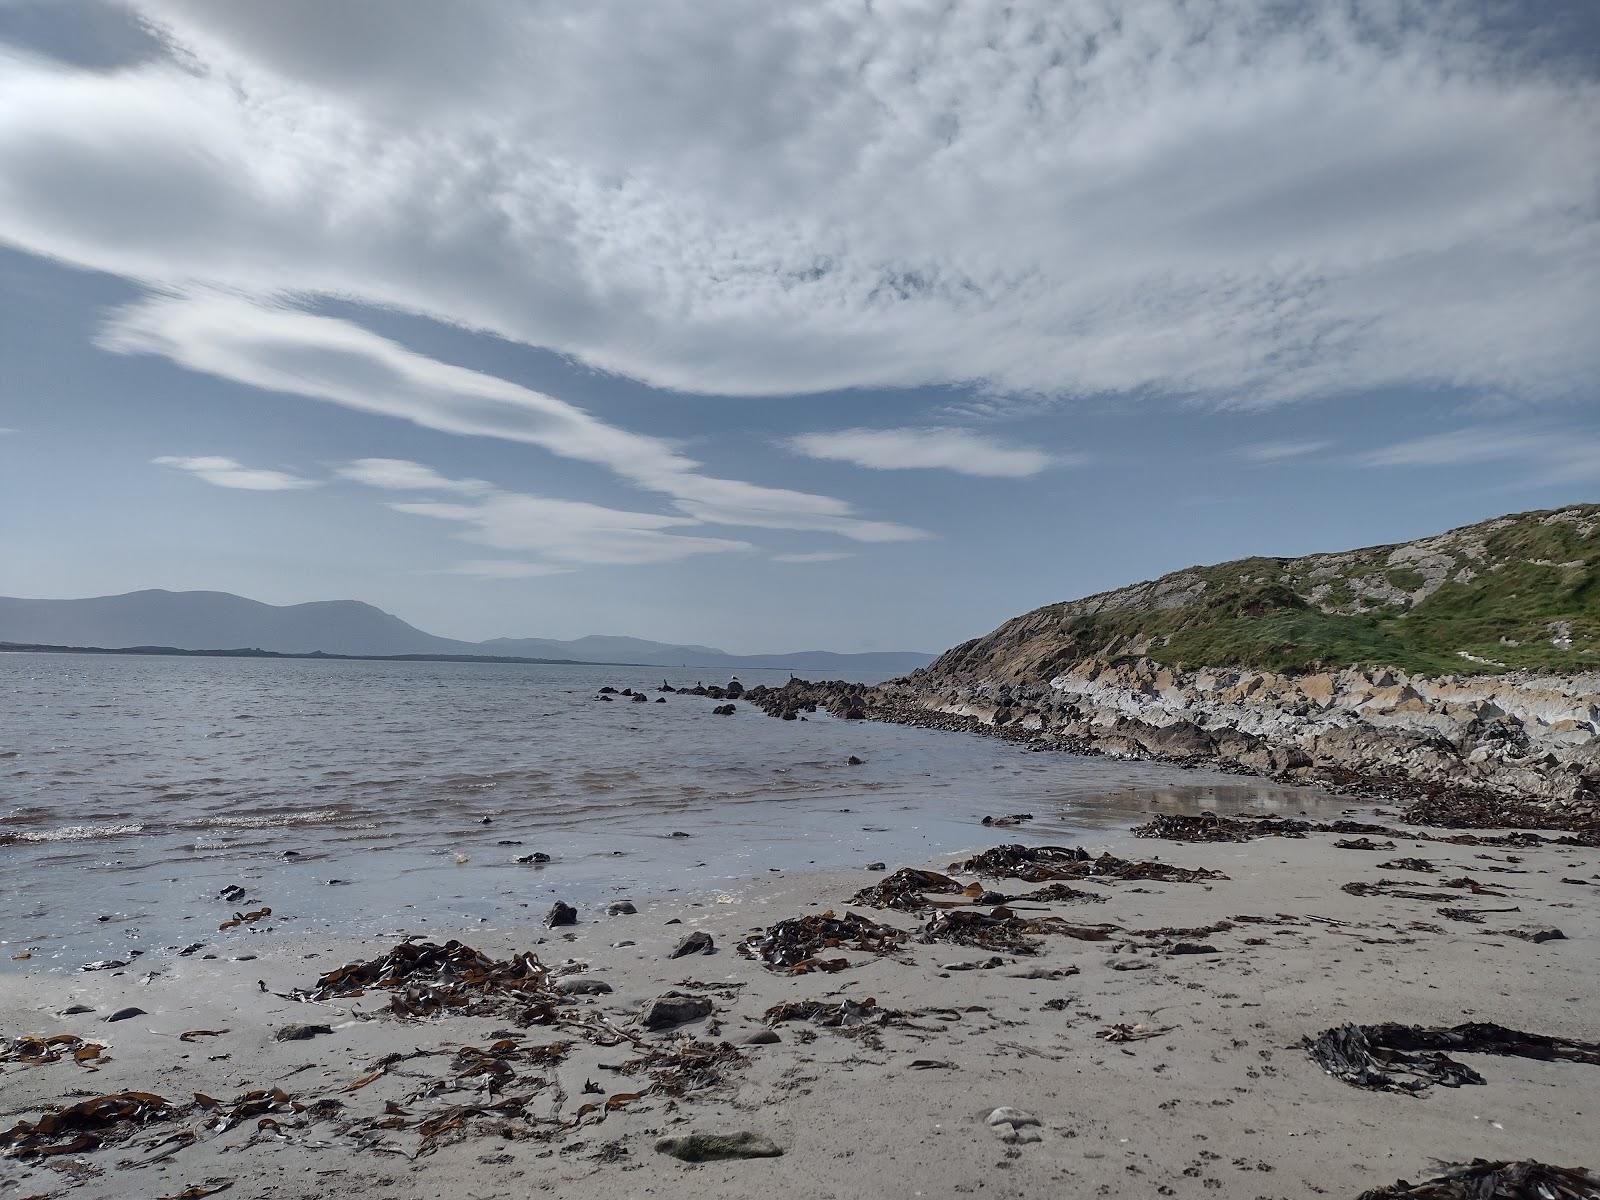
(1221, 1102)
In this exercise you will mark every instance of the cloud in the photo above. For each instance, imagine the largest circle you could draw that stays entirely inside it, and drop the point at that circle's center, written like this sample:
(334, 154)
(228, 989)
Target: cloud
(1210, 199)
(1558, 456)
(498, 568)
(1266, 452)
(228, 473)
(570, 532)
(814, 556)
(397, 474)
(5, 430)
(949, 449)
(566, 534)
(285, 350)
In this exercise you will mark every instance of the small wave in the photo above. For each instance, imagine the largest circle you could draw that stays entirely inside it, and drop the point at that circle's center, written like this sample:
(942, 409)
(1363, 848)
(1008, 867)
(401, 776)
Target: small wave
(73, 833)
(321, 816)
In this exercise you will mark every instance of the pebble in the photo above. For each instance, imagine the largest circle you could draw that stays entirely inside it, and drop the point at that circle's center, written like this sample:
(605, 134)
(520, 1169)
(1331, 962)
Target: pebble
(577, 985)
(709, 1147)
(675, 1008)
(1014, 1125)
(300, 1033)
(698, 942)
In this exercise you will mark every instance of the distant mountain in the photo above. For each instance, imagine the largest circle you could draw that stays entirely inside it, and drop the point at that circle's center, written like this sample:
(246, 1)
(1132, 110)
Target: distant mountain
(223, 621)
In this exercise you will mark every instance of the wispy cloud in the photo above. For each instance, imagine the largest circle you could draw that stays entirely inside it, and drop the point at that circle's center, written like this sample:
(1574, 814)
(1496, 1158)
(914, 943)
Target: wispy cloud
(813, 556)
(959, 450)
(229, 473)
(284, 350)
(1265, 452)
(570, 532)
(401, 475)
(1211, 200)
(501, 568)
(4, 429)
(564, 534)
(1557, 456)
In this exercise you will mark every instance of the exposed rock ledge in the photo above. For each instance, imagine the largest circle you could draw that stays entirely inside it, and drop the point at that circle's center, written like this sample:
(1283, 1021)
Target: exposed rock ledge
(1505, 749)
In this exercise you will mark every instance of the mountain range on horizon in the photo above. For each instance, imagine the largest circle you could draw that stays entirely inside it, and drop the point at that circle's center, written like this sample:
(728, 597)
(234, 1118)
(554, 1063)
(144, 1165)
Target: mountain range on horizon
(202, 620)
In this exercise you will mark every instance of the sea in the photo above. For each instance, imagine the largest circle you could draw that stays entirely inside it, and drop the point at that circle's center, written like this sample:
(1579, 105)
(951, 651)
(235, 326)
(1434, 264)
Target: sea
(377, 798)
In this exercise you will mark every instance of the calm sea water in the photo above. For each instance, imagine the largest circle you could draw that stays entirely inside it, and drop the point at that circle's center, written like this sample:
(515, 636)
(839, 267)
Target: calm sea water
(132, 790)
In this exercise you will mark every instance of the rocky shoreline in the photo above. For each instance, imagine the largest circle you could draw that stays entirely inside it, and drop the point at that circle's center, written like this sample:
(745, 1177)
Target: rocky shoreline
(1475, 752)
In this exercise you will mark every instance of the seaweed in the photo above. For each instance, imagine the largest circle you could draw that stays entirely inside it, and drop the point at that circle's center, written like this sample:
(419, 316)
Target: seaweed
(35, 1050)
(87, 1125)
(833, 1014)
(904, 890)
(1409, 1058)
(1502, 1180)
(1002, 929)
(1209, 827)
(1044, 864)
(791, 946)
(427, 978)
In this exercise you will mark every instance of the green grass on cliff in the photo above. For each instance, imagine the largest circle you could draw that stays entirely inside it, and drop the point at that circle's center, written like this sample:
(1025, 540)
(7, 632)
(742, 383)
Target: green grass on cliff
(1256, 613)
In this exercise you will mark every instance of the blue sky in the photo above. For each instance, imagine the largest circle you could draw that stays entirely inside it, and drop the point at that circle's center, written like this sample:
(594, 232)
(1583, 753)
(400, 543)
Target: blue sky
(862, 329)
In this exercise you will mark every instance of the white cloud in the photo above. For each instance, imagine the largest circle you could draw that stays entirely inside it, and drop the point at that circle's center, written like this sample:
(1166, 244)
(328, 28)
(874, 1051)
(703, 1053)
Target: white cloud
(813, 556)
(229, 473)
(1557, 456)
(570, 532)
(949, 449)
(504, 568)
(1265, 452)
(1210, 198)
(398, 474)
(566, 534)
(5, 430)
(284, 350)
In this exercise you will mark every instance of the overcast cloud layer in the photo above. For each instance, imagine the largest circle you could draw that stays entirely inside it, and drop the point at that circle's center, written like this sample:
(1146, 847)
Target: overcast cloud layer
(718, 197)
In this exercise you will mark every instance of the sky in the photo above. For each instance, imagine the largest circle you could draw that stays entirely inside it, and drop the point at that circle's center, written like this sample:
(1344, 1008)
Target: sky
(816, 325)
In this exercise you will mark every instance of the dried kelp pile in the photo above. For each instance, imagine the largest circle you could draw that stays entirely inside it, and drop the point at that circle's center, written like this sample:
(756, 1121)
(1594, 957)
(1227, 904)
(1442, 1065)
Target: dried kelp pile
(683, 1065)
(905, 890)
(87, 1125)
(842, 1014)
(34, 1050)
(1482, 1180)
(119, 1116)
(1209, 827)
(1042, 864)
(1060, 893)
(1409, 1058)
(427, 978)
(1002, 929)
(791, 946)
(1459, 809)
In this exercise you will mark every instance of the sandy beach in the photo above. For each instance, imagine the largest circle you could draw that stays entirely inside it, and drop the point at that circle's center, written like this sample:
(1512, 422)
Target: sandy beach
(1148, 1069)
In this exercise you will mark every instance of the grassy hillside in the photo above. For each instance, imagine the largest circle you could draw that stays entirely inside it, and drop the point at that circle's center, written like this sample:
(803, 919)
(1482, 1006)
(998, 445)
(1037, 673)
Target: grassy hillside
(1518, 592)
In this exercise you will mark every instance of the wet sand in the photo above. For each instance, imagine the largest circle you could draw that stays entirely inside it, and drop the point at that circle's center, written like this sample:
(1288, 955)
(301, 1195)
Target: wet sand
(1218, 1100)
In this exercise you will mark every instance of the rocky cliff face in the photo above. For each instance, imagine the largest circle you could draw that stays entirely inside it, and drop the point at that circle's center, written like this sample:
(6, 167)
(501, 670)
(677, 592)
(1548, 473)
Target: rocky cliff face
(1388, 664)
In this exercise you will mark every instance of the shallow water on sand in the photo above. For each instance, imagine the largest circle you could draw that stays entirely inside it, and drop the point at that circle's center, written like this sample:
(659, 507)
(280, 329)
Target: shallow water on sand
(133, 789)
